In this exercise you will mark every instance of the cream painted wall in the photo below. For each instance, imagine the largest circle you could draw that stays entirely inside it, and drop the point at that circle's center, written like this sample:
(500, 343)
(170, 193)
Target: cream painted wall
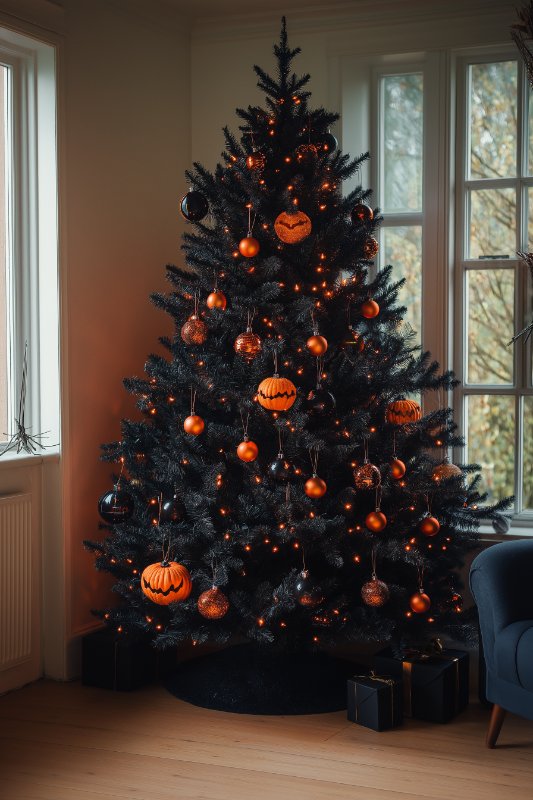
(125, 145)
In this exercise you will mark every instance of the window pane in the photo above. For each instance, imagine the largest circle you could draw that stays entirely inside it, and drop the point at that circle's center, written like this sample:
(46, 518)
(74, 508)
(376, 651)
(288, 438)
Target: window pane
(491, 442)
(493, 98)
(402, 142)
(530, 133)
(402, 247)
(490, 325)
(492, 223)
(528, 453)
(3, 265)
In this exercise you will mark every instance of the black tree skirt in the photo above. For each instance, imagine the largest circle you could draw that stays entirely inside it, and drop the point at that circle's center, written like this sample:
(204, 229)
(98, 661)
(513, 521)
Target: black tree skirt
(248, 679)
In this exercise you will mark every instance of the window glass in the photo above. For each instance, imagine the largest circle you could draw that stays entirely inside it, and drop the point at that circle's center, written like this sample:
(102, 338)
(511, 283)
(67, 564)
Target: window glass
(527, 423)
(492, 224)
(491, 442)
(490, 325)
(402, 247)
(493, 115)
(402, 142)
(4, 341)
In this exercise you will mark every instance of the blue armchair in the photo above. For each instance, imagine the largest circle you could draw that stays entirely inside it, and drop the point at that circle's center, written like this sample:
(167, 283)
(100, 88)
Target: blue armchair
(501, 579)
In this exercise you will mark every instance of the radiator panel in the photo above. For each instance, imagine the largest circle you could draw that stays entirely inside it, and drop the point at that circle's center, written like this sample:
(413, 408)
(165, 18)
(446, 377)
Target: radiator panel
(15, 580)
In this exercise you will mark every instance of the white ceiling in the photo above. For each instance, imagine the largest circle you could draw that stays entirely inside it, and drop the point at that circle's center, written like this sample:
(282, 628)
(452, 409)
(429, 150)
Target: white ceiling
(198, 9)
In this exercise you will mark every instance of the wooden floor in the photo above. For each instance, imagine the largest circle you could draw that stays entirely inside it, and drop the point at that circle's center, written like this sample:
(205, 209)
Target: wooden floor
(61, 741)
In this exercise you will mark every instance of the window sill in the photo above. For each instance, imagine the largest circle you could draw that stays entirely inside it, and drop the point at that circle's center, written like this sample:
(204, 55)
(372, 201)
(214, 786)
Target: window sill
(18, 460)
(520, 529)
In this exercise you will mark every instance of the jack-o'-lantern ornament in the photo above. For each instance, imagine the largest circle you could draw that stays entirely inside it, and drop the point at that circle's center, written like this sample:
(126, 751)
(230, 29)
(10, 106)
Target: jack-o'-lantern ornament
(276, 394)
(292, 228)
(403, 412)
(166, 582)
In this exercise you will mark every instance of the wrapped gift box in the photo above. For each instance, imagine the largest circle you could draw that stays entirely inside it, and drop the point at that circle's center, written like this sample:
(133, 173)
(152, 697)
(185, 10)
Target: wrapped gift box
(435, 685)
(117, 662)
(375, 701)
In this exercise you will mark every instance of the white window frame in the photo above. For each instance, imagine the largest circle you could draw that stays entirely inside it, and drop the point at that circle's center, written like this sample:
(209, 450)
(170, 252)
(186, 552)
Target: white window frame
(33, 249)
(522, 385)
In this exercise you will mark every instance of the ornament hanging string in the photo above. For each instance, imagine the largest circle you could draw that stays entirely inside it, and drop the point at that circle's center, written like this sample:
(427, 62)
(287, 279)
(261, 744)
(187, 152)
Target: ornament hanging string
(319, 370)
(420, 570)
(250, 317)
(193, 400)
(313, 456)
(275, 354)
(365, 446)
(245, 424)
(373, 561)
(250, 223)
(117, 485)
(378, 497)
(280, 442)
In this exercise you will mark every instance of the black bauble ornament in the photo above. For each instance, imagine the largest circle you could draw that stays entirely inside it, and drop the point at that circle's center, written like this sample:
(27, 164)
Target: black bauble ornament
(307, 592)
(172, 510)
(194, 206)
(328, 142)
(320, 401)
(115, 506)
(281, 469)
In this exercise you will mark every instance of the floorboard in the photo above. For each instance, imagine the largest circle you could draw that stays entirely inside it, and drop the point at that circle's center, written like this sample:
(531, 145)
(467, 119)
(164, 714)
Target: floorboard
(60, 741)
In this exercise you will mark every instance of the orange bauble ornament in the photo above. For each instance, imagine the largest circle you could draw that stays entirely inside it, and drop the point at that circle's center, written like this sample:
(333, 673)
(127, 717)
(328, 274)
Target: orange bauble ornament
(166, 582)
(317, 344)
(217, 299)
(276, 394)
(403, 412)
(371, 247)
(420, 602)
(248, 247)
(248, 345)
(376, 521)
(370, 309)
(445, 471)
(315, 487)
(429, 526)
(247, 451)
(194, 331)
(213, 604)
(292, 228)
(397, 469)
(194, 425)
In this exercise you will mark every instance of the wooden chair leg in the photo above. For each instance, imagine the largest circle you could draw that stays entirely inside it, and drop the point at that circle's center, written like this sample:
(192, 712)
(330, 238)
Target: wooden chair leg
(495, 724)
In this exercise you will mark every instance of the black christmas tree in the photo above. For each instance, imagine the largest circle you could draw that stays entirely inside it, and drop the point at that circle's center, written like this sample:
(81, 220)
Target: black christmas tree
(285, 484)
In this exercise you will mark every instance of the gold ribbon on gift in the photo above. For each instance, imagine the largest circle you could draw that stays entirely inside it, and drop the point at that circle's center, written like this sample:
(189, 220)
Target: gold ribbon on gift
(407, 669)
(381, 679)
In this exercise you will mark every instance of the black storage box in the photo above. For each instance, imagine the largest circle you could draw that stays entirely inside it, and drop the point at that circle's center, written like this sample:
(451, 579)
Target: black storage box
(375, 701)
(118, 662)
(435, 686)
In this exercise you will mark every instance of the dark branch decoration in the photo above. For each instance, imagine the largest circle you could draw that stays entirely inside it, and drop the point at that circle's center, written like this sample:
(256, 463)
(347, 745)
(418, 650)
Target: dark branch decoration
(21, 439)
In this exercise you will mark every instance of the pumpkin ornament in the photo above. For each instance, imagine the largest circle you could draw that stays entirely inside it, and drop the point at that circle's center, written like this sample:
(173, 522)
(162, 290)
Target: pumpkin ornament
(194, 331)
(315, 487)
(374, 592)
(166, 582)
(292, 228)
(275, 393)
(249, 246)
(193, 424)
(403, 412)
(248, 344)
(376, 521)
(247, 451)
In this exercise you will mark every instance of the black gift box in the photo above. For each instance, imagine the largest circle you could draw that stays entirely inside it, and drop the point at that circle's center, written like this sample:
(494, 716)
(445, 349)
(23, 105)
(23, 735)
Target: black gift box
(435, 686)
(375, 701)
(110, 661)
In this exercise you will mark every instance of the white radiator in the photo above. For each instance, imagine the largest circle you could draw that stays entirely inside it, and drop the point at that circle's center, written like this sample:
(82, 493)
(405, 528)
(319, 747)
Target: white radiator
(15, 580)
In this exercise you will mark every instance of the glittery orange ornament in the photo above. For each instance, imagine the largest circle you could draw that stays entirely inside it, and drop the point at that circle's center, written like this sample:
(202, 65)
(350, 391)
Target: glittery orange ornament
(371, 247)
(248, 345)
(213, 604)
(445, 471)
(292, 228)
(375, 593)
(367, 476)
(194, 331)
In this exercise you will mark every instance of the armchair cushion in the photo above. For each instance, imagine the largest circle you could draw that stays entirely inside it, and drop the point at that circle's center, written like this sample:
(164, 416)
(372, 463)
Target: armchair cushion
(513, 653)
